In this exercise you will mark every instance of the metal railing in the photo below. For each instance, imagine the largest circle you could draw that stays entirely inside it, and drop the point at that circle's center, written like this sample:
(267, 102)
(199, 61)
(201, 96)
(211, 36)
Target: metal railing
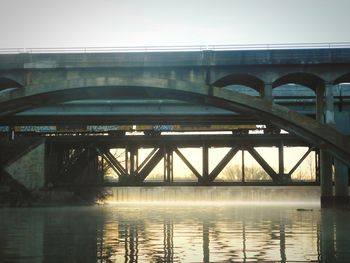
(176, 48)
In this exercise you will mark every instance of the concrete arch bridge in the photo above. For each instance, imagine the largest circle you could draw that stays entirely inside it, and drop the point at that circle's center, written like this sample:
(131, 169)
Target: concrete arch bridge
(32, 83)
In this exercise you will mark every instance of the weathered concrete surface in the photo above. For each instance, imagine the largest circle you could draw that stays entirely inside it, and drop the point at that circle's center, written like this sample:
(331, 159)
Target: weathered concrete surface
(218, 68)
(29, 170)
(166, 59)
(321, 135)
(342, 121)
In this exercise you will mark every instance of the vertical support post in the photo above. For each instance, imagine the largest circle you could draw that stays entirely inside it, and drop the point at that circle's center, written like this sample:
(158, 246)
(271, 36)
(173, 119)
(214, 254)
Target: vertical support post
(327, 236)
(281, 160)
(329, 109)
(341, 183)
(326, 159)
(205, 162)
(133, 161)
(165, 165)
(267, 92)
(341, 178)
(317, 164)
(326, 179)
(243, 164)
(126, 159)
(53, 162)
(168, 165)
(319, 104)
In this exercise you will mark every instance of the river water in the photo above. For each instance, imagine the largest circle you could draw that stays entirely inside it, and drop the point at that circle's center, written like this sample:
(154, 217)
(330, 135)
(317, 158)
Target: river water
(175, 232)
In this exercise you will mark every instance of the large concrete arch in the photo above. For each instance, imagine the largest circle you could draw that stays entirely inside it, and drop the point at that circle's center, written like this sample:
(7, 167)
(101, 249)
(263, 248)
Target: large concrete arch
(241, 79)
(301, 78)
(321, 135)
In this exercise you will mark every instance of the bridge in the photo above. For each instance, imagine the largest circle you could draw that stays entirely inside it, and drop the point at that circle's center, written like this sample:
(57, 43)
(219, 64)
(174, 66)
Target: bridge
(302, 91)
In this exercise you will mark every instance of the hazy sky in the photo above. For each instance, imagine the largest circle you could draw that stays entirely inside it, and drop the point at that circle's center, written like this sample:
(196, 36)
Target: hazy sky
(64, 23)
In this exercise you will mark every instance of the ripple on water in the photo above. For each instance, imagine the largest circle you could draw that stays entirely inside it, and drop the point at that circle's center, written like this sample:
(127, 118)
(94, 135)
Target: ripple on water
(173, 234)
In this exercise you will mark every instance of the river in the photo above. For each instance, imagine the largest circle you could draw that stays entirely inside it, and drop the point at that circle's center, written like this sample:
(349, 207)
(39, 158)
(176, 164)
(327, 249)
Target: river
(175, 232)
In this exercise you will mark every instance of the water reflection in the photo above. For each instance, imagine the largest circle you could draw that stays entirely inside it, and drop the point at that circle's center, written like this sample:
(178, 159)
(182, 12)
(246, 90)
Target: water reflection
(131, 233)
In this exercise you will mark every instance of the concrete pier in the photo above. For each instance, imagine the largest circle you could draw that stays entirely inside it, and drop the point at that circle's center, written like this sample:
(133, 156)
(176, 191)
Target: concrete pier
(341, 180)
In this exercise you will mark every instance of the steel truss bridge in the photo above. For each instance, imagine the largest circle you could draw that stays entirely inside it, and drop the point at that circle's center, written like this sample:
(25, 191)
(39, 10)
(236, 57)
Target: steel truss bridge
(133, 172)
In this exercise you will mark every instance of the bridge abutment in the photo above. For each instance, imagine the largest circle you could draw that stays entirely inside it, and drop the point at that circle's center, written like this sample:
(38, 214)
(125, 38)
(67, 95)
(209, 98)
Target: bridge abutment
(341, 182)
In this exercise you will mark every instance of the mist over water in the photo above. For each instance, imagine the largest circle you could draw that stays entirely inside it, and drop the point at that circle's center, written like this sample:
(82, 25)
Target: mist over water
(268, 195)
(181, 224)
(162, 233)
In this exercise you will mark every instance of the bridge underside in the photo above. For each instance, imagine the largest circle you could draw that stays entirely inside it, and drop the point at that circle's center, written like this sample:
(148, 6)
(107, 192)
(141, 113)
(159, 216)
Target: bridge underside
(185, 88)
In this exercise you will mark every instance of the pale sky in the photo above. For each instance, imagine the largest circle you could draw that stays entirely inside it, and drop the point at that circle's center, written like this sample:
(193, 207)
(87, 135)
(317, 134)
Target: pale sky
(102, 23)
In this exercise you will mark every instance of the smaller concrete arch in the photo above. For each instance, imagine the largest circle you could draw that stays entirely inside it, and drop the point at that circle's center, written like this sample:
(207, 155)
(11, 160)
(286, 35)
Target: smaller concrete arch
(8, 83)
(342, 79)
(300, 78)
(241, 79)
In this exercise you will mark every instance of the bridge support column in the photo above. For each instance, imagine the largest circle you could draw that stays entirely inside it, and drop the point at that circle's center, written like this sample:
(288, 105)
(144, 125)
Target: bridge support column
(205, 162)
(243, 166)
(319, 104)
(168, 165)
(53, 157)
(267, 92)
(329, 109)
(341, 173)
(133, 161)
(326, 160)
(281, 160)
(341, 183)
(326, 179)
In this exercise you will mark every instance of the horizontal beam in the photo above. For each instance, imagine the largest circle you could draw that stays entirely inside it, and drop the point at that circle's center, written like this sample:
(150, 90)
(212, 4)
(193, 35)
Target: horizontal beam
(106, 119)
(198, 184)
(180, 141)
(225, 56)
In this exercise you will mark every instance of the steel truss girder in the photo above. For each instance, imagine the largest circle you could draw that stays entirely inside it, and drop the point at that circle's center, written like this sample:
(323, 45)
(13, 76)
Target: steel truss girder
(300, 161)
(112, 161)
(188, 164)
(221, 165)
(267, 168)
(135, 174)
(153, 161)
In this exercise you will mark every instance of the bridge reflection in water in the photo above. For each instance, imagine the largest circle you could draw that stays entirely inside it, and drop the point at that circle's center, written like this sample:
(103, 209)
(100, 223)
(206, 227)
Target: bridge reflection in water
(202, 233)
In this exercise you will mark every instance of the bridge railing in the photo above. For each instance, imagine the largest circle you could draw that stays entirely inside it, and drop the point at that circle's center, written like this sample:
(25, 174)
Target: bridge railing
(176, 48)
